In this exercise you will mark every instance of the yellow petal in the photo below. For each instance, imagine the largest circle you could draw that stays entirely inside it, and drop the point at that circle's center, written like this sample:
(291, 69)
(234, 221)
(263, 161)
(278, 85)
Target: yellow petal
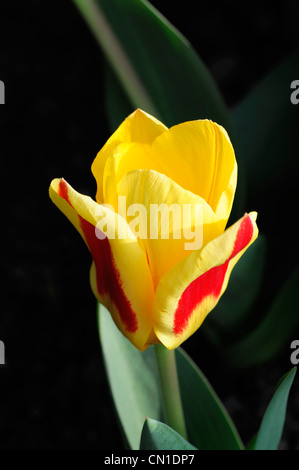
(139, 127)
(199, 156)
(192, 288)
(169, 220)
(126, 158)
(120, 276)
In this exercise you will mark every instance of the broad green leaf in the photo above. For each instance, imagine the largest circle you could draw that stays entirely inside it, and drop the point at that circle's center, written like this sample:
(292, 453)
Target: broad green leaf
(155, 64)
(267, 125)
(208, 423)
(132, 378)
(273, 332)
(271, 428)
(233, 313)
(158, 436)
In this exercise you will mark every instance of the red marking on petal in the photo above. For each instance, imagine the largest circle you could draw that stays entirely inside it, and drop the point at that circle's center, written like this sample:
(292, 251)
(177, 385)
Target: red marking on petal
(210, 283)
(243, 237)
(63, 191)
(107, 275)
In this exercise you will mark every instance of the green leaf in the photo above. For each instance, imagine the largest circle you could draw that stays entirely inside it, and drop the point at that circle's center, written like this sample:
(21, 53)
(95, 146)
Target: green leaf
(267, 125)
(271, 428)
(273, 332)
(233, 313)
(208, 423)
(134, 383)
(133, 379)
(154, 63)
(158, 436)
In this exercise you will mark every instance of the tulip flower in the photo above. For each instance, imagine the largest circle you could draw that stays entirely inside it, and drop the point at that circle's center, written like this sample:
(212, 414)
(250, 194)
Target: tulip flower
(156, 290)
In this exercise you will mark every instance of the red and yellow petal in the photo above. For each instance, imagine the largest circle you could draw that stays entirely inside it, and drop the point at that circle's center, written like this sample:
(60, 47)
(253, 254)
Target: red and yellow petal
(192, 288)
(120, 276)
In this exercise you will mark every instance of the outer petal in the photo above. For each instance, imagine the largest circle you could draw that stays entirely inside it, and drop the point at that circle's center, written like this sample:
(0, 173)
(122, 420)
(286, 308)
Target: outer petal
(120, 276)
(190, 290)
(139, 127)
(168, 231)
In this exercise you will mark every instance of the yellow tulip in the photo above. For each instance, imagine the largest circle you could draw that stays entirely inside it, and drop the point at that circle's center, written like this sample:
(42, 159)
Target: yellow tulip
(156, 290)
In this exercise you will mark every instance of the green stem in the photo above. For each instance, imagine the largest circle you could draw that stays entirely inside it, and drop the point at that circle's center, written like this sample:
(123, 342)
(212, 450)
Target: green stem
(171, 397)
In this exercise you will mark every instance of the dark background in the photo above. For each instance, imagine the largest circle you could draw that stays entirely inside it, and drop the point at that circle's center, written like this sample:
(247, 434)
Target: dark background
(53, 389)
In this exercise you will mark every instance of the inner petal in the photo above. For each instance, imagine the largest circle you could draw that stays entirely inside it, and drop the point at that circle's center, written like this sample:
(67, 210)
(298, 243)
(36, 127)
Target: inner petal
(125, 158)
(199, 156)
(168, 220)
(137, 127)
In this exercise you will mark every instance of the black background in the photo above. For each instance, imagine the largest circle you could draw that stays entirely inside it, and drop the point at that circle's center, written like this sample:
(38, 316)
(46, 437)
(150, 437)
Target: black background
(53, 389)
